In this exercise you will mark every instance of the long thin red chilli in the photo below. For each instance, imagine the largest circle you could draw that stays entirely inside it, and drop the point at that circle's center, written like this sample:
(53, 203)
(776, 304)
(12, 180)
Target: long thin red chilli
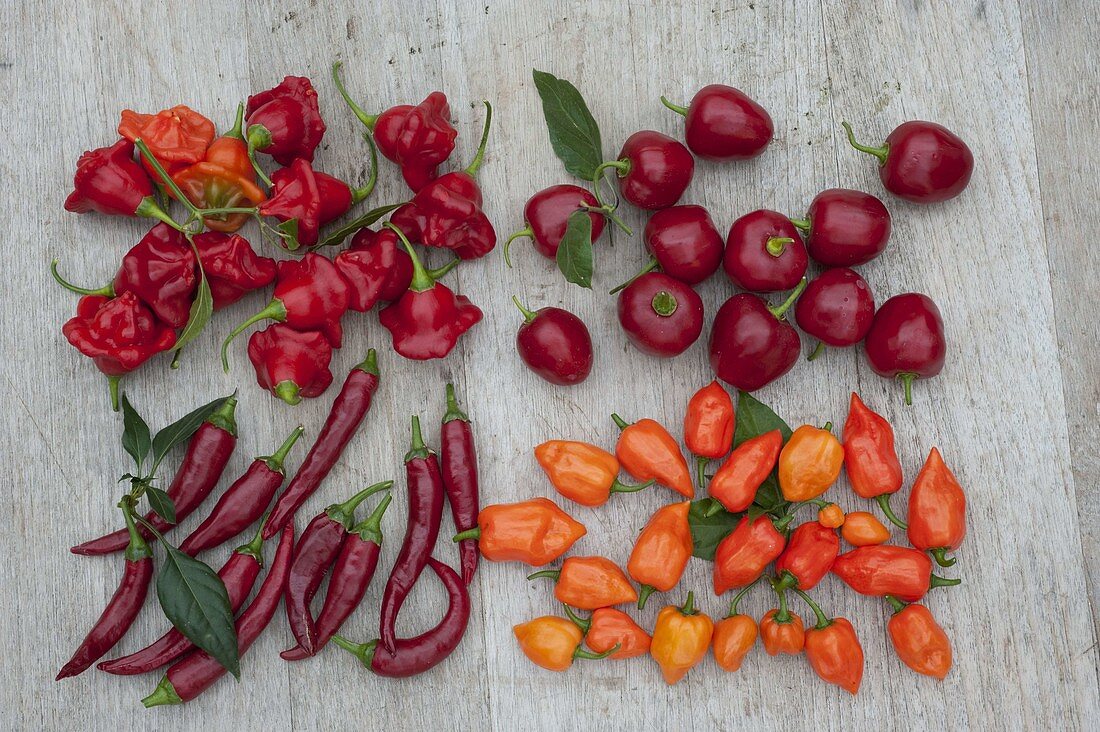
(458, 462)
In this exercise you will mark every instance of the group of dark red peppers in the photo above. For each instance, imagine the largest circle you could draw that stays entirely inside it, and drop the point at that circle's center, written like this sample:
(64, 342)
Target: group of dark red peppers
(171, 281)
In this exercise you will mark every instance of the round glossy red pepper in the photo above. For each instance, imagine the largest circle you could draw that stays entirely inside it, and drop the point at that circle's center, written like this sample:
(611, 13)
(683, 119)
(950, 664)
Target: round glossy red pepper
(844, 228)
(547, 217)
(922, 162)
(660, 315)
(285, 121)
(555, 344)
(906, 340)
(684, 243)
(765, 253)
(653, 170)
(723, 123)
(291, 364)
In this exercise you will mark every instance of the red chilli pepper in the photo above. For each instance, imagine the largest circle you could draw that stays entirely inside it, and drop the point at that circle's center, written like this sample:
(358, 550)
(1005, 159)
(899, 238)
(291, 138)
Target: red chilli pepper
(425, 484)
(316, 550)
(937, 510)
(349, 408)
(285, 121)
(291, 364)
(458, 460)
(375, 267)
(305, 199)
(239, 574)
(123, 608)
(194, 674)
(202, 467)
(109, 181)
(810, 553)
(413, 656)
(243, 502)
(743, 555)
(232, 267)
(881, 570)
(176, 137)
(351, 574)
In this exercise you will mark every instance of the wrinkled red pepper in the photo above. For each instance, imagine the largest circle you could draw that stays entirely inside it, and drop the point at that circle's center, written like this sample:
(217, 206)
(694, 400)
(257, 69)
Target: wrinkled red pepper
(296, 202)
(290, 364)
(285, 121)
(232, 267)
(375, 268)
(810, 553)
(743, 555)
(109, 181)
(176, 137)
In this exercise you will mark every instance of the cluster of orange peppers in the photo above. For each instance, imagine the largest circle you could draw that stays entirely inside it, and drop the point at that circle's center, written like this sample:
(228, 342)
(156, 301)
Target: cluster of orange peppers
(804, 464)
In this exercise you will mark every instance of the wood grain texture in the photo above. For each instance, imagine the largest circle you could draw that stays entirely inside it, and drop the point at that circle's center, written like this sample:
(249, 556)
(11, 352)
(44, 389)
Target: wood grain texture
(1015, 411)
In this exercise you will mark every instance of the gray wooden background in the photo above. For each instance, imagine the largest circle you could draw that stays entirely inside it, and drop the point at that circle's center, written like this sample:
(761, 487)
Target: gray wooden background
(1011, 262)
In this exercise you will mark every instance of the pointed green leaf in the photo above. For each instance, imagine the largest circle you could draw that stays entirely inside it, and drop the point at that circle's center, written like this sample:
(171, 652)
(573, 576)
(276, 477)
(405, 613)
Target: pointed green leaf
(754, 418)
(370, 217)
(288, 230)
(135, 434)
(182, 429)
(575, 250)
(574, 134)
(707, 532)
(161, 503)
(201, 310)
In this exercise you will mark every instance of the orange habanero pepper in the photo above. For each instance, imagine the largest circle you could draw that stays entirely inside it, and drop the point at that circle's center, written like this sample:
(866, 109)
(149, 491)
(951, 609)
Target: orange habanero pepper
(648, 452)
(920, 642)
(708, 426)
(809, 463)
(177, 137)
(736, 482)
(937, 510)
(535, 532)
(743, 555)
(810, 553)
(590, 583)
(581, 472)
(780, 629)
(870, 458)
(831, 515)
(734, 636)
(662, 551)
(864, 529)
(901, 571)
(552, 642)
(612, 631)
(833, 649)
(680, 639)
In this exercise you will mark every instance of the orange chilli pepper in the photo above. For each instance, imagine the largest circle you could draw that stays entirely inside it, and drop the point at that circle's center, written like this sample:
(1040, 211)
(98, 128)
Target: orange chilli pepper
(581, 472)
(920, 642)
(743, 555)
(177, 137)
(648, 452)
(590, 583)
(809, 463)
(937, 510)
(608, 629)
(810, 553)
(736, 482)
(734, 636)
(680, 639)
(708, 425)
(864, 529)
(661, 551)
(534, 532)
(780, 629)
(833, 649)
(831, 515)
(552, 642)
(870, 458)
(901, 571)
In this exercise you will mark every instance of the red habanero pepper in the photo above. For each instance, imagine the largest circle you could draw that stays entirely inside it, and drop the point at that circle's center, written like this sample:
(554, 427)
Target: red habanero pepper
(447, 212)
(781, 630)
(290, 364)
(243, 502)
(118, 334)
(239, 574)
(232, 267)
(317, 549)
(416, 655)
(351, 574)
(348, 410)
(425, 485)
(648, 452)
(918, 639)
(708, 426)
(880, 570)
(736, 482)
(743, 555)
(810, 553)
(124, 606)
(429, 318)
(862, 528)
(375, 267)
(109, 181)
(553, 643)
(535, 532)
(937, 510)
(306, 199)
(417, 138)
(285, 121)
(611, 631)
(661, 551)
(458, 463)
(197, 672)
(870, 458)
(207, 454)
(833, 649)
(176, 137)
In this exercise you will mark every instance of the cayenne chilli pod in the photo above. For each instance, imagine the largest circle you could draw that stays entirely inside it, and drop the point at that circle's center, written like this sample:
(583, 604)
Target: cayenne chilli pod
(458, 462)
(425, 485)
(195, 673)
(349, 408)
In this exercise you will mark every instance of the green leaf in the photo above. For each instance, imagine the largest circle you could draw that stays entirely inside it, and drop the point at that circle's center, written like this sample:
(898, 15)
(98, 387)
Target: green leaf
(195, 600)
(575, 250)
(754, 418)
(288, 231)
(161, 503)
(707, 532)
(182, 429)
(370, 217)
(201, 310)
(135, 434)
(574, 134)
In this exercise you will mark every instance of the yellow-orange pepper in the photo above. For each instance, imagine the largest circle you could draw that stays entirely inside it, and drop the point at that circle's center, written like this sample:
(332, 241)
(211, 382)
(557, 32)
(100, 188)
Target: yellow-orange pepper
(534, 532)
(831, 516)
(590, 583)
(809, 463)
(734, 636)
(581, 472)
(552, 642)
(608, 629)
(864, 529)
(680, 639)
(662, 550)
(648, 452)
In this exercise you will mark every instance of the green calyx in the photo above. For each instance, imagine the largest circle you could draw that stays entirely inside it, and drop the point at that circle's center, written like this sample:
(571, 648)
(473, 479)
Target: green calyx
(150, 209)
(783, 616)
(223, 417)
(254, 548)
(802, 224)
(369, 365)
(780, 311)
(879, 152)
(590, 656)
(275, 310)
(258, 138)
(583, 623)
(688, 608)
(422, 279)
(107, 290)
(528, 316)
(138, 548)
(453, 411)
(164, 694)
(288, 391)
(237, 131)
(363, 651)
(553, 574)
(370, 528)
(895, 604)
(275, 460)
(474, 533)
(618, 486)
(621, 168)
(368, 120)
(664, 304)
(883, 501)
(417, 449)
(937, 581)
(940, 555)
(475, 164)
(776, 245)
(621, 423)
(907, 380)
(678, 109)
(344, 513)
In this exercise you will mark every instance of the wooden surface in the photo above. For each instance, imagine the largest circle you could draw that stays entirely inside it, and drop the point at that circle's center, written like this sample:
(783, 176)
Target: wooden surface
(1011, 262)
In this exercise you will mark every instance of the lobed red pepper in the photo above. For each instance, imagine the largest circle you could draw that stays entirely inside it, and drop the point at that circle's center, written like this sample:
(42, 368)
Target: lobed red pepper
(285, 121)
(176, 137)
(290, 364)
(109, 181)
(232, 267)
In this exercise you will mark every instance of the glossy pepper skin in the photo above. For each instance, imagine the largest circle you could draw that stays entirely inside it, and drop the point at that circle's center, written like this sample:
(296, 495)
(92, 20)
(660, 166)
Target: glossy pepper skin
(581, 472)
(864, 529)
(555, 344)
(290, 364)
(937, 510)
(684, 243)
(735, 483)
(809, 555)
(552, 642)
(108, 181)
(546, 215)
(919, 641)
(782, 634)
(751, 344)
(902, 572)
(661, 551)
(296, 202)
(906, 340)
(835, 654)
(660, 315)
(734, 636)
(613, 631)
(870, 458)
(723, 123)
(535, 532)
(680, 639)
(176, 137)
(160, 270)
(590, 583)
(922, 162)
(285, 121)
(648, 452)
(764, 253)
(709, 421)
(375, 267)
(232, 267)
(458, 463)
(743, 555)
(809, 463)
(845, 228)
(836, 308)
(653, 170)
(831, 516)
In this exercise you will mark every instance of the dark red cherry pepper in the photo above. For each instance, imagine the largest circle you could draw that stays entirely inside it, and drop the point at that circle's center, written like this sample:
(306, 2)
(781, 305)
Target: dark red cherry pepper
(751, 344)
(291, 364)
(723, 123)
(458, 463)
(906, 340)
(836, 308)
(109, 181)
(118, 334)
(653, 170)
(922, 162)
(547, 216)
(844, 228)
(660, 315)
(684, 243)
(429, 318)
(555, 344)
(232, 267)
(285, 121)
(765, 253)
